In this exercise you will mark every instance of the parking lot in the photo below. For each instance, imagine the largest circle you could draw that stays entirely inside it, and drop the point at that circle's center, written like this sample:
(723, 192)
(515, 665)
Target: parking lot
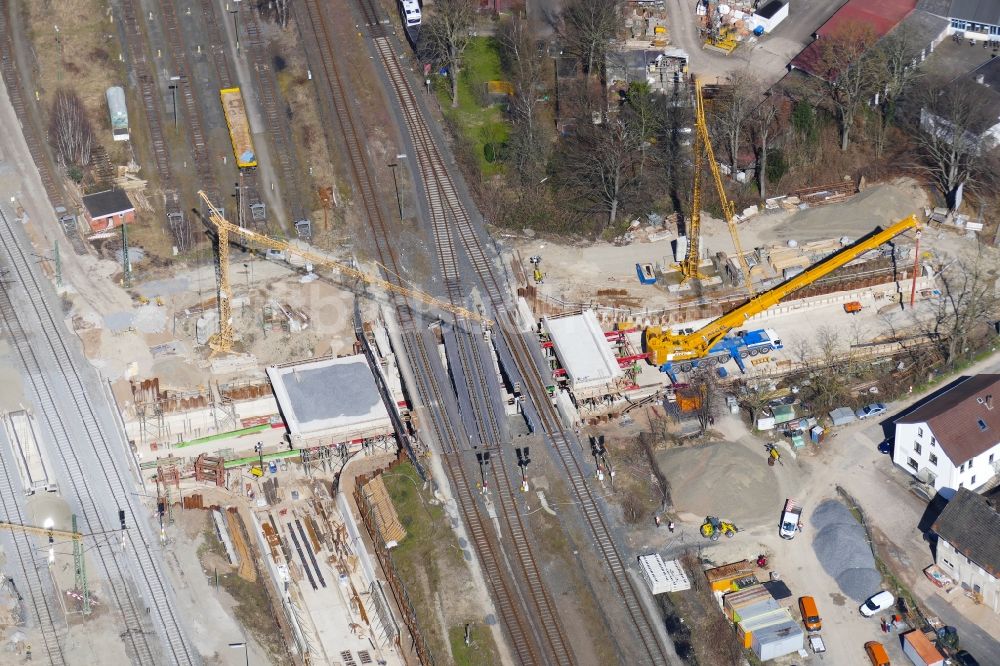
(849, 460)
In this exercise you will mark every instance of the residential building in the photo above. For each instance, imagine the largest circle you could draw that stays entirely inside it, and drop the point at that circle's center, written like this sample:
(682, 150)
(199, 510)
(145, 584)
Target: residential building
(968, 547)
(974, 19)
(953, 439)
(108, 210)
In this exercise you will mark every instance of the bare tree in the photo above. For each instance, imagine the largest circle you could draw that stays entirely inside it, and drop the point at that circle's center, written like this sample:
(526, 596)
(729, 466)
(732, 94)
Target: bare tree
(948, 123)
(848, 72)
(445, 35)
(898, 58)
(277, 9)
(968, 305)
(732, 110)
(588, 26)
(827, 369)
(70, 129)
(764, 125)
(599, 164)
(528, 143)
(706, 386)
(753, 396)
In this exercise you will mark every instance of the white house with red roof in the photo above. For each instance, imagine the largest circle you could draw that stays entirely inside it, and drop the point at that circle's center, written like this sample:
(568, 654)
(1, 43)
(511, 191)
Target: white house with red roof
(953, 439)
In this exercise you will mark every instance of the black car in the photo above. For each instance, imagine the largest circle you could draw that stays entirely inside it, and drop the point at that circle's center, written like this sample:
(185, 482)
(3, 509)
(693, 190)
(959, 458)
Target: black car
(963, 658)
(885, 447)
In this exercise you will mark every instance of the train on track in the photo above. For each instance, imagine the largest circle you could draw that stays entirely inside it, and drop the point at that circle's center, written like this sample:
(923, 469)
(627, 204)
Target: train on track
(239, 128)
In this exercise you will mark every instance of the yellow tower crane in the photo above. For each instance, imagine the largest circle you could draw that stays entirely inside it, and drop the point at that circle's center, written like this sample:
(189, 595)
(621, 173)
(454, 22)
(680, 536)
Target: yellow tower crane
(665, 346)
(703, 152)
(222, 342)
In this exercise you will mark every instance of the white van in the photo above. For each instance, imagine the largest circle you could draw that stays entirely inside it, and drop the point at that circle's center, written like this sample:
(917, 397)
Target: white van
(411, 12)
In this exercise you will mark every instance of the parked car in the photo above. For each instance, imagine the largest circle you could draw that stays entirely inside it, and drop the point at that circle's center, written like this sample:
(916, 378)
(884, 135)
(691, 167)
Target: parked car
(873, 409)
(963, 658)
(810, 615)
(885, 447)
(877, 603)
(876, 653)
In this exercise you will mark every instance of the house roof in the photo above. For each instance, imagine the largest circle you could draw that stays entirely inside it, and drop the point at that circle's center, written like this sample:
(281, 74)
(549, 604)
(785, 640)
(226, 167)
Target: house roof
(938, 7)
(965, 419)
(108, 202)
(971, 524)
(881, 16)
(979, 11)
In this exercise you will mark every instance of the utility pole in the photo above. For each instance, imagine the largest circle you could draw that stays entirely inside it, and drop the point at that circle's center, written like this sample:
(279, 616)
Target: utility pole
(58, 262)
(126, 264)
(80, 570)
(395, 184)
(236, 27)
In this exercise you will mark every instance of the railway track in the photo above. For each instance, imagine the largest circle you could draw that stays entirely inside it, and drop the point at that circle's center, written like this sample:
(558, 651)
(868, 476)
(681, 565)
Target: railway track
(333, 94)
(91, 461)
(432, 164)
(189, 101)
(25, 557)
(32, 135)
(179, 227)
(277, 121)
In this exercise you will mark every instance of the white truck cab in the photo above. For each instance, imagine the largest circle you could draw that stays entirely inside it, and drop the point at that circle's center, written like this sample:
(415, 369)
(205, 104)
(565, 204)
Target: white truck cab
(411, 12)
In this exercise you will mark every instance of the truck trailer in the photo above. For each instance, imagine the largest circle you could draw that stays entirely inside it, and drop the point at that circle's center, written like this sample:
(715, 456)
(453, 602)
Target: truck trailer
(737, 347)
(23, 435)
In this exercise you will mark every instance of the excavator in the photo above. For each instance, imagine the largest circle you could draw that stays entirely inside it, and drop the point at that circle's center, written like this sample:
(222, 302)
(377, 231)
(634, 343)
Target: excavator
(222, 342)
(713, 343)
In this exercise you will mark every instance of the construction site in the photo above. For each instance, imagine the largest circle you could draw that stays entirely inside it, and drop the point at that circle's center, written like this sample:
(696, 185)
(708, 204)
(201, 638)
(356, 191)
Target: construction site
(366, 426)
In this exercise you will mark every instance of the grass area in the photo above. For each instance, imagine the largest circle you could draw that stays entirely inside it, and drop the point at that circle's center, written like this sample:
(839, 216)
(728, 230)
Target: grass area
(482, 124)
(479, 651)
(433, 570)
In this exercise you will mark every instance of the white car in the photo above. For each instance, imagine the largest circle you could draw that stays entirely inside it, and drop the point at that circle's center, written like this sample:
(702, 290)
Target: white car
(877, 603)
(873, 409)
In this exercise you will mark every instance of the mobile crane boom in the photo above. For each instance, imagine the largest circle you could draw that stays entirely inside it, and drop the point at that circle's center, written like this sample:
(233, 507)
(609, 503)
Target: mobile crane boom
(664, 346)
(703, 152)
(223, 340)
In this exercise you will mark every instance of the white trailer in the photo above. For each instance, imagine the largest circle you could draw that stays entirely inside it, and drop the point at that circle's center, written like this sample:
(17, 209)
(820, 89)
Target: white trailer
(23, 435)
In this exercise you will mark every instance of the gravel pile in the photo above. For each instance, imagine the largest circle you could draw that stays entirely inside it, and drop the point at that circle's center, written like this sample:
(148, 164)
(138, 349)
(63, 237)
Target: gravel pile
(841, 546)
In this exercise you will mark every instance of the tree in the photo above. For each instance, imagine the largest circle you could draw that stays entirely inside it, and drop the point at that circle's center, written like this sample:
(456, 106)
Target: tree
(445, 35)
(588, 26)
(528, 143)
(898, 58)
(732, 111)
(947, 122)
(70, 129)
(764, 125)
(706, 386)
(968, 304)
(599, 164)
(848, 72)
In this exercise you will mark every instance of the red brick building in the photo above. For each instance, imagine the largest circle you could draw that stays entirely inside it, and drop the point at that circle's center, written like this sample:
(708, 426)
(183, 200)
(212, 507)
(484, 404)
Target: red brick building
(108, 210)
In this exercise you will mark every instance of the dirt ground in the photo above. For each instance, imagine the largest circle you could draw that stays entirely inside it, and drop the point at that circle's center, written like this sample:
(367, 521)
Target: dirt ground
(576, 272)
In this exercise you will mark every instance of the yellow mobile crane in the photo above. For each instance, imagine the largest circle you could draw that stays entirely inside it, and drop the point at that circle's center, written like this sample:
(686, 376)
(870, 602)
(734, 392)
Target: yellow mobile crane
(665, 347)
(222, 342)
(702, 152)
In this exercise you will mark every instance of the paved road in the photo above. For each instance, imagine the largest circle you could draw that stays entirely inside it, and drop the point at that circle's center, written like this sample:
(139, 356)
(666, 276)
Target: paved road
(768, 57)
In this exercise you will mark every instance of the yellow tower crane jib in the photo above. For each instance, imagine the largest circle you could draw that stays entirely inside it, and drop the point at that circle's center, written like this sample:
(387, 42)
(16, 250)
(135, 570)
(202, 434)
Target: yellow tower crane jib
(222, 342)
(664, 345)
